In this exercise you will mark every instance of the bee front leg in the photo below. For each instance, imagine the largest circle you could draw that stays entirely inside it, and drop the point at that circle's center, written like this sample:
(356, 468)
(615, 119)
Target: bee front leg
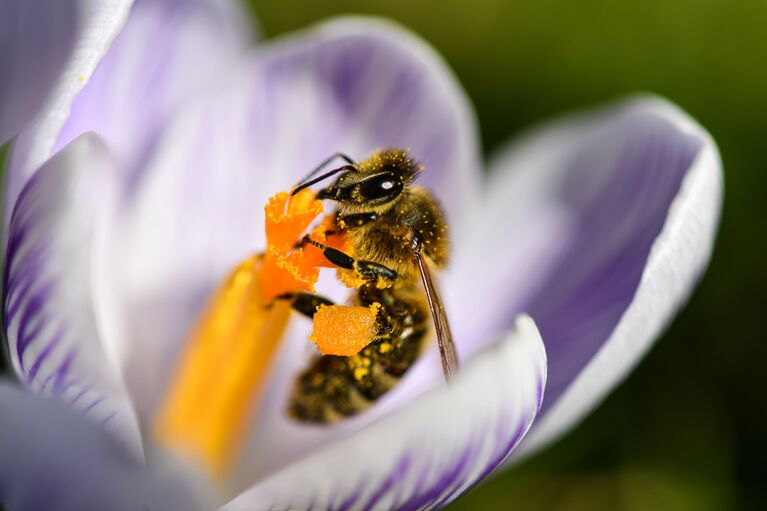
(368, 270)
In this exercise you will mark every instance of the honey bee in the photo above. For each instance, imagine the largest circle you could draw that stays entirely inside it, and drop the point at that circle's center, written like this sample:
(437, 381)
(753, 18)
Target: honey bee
(397, 232)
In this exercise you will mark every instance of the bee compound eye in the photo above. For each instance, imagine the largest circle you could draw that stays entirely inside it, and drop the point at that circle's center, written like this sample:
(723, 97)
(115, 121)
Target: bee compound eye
(381, 187)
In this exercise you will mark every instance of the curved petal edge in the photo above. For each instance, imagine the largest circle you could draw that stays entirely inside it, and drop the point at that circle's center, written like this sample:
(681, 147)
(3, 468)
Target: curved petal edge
(99, 22)
(430, 452)
(167, 54)
(677, 259)
(36, 38)
(55, 342)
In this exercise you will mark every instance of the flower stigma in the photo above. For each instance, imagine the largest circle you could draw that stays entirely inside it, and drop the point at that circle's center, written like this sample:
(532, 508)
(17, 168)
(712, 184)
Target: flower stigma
(207, 407)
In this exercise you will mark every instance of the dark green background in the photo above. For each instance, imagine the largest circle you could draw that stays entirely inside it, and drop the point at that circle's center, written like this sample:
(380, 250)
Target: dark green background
(686, 431)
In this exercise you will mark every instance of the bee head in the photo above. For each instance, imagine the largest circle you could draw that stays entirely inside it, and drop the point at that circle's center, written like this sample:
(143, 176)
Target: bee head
(376, 181)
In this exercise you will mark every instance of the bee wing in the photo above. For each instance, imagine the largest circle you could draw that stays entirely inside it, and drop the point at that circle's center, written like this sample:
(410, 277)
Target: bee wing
(441, 325)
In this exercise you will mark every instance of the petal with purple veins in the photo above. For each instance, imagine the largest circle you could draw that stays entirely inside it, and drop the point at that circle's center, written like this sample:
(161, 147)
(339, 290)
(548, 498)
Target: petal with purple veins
(54, 340)
(54, 459)
(603, 214)
(426, 454)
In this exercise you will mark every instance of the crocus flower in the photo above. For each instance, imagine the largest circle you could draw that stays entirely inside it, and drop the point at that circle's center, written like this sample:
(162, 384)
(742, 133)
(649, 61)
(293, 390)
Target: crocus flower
(145, 146)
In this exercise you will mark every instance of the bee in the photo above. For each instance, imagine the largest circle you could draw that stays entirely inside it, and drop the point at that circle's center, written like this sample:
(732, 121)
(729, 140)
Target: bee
(398, 233)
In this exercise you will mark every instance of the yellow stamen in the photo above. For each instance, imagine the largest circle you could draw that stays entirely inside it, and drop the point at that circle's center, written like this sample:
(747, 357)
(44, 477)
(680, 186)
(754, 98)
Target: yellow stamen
(207, 408)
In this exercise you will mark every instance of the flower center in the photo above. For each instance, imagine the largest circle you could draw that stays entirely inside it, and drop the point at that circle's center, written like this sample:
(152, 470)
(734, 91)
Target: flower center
(206, 410)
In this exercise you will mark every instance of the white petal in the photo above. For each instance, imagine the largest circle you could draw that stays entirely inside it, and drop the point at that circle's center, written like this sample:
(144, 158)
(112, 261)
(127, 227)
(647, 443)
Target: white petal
(36, 38)
(99, 21)
(617, 213)
(428, 453)
(54, 341)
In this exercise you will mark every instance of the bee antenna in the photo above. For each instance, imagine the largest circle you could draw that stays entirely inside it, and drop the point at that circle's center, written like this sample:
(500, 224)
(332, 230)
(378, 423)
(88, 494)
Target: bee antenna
(307, 184)
(324, 163)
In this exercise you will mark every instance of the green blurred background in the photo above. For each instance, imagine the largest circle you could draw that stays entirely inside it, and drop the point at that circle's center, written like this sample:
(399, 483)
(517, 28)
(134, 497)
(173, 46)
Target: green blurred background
(686, 431)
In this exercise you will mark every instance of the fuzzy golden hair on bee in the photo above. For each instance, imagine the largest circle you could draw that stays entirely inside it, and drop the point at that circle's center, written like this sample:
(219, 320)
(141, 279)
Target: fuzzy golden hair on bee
(397, 161)
(396, 234)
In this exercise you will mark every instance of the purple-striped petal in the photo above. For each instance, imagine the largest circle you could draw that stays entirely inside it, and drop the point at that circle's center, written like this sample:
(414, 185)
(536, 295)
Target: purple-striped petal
(98, 21)
(53, 459)
(428, 453)
(55, 343)
(167, 52)
(608, 220)
(36, 38)
(349, 85)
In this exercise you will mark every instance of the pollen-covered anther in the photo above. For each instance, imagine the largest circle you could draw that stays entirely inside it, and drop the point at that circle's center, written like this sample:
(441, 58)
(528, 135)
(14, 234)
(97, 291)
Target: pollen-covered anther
(287, 217)
(287, 269)
(287, 273)
(344, 330)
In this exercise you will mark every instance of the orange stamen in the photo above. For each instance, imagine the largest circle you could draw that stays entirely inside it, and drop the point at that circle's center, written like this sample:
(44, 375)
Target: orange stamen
(287, 217)
(287, 269)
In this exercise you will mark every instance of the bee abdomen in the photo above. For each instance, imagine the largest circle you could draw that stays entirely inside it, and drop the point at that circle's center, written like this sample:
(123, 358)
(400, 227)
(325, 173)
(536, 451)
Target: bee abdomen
(335, 387)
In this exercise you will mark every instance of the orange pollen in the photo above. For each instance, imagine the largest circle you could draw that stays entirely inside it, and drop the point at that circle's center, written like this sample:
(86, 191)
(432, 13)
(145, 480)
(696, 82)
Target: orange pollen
(344, 329)
(288, 269)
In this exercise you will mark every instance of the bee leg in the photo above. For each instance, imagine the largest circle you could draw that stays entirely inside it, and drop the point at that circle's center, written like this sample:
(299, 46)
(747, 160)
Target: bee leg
(368, 270)
(305, 303)
(374, 271)
(357, 219)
